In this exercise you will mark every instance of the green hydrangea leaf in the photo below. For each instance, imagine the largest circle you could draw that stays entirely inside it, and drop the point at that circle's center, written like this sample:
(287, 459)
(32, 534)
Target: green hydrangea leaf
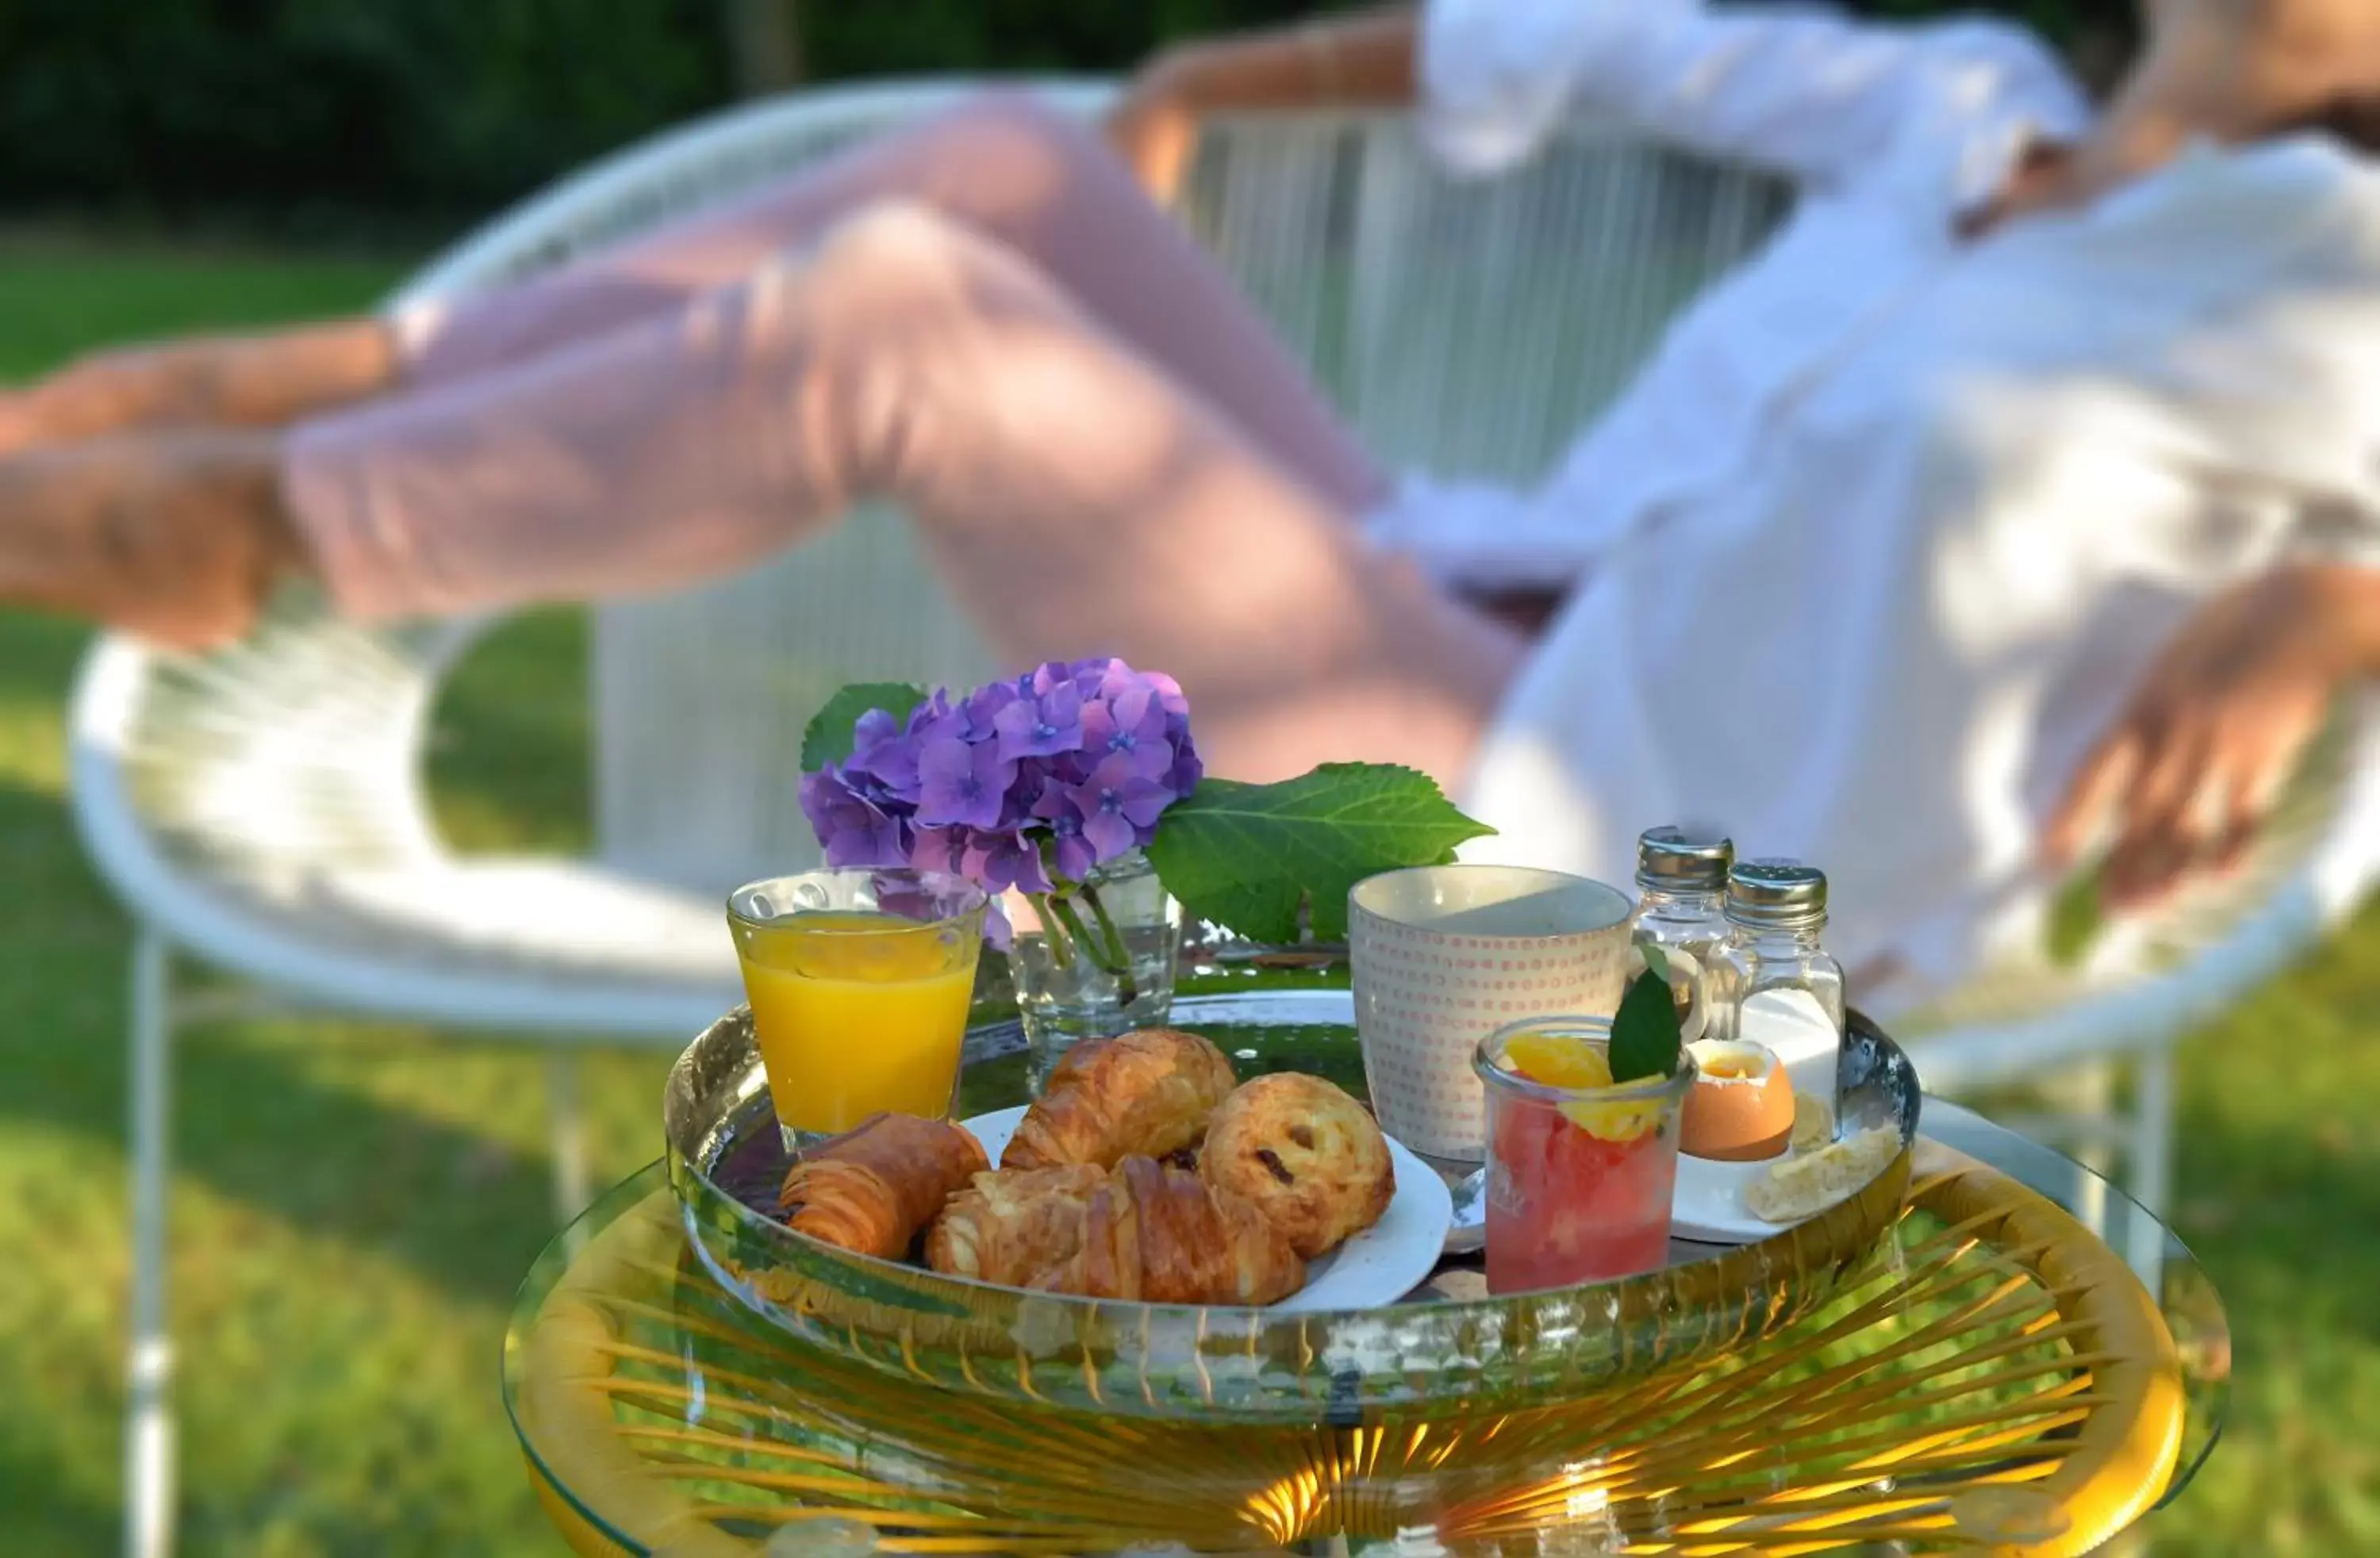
(829, 737)
(1645, 1035)
(1250, 858)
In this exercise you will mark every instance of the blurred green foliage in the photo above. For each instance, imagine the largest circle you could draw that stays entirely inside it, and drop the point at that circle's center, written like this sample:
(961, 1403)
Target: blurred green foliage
(439, 109)
(445, 106)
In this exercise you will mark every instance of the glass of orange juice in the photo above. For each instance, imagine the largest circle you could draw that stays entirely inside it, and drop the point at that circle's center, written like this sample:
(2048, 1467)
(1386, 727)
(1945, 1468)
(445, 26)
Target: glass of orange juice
(859, 981)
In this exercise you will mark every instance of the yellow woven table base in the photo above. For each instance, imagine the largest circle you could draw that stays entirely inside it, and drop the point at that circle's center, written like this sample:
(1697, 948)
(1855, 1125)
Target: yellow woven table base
(1999, 1382)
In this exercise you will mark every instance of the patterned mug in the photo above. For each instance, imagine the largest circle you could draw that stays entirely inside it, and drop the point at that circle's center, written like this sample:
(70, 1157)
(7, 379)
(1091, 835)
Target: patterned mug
(1444, 955)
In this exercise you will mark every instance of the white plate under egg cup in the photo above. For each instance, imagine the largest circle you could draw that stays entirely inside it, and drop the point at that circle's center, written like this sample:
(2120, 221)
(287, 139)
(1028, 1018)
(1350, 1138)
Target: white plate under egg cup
(1706, 1206)
(1376, 1268)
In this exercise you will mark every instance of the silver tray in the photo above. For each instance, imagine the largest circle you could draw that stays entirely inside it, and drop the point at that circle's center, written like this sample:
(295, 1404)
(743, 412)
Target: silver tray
(1454, 1353)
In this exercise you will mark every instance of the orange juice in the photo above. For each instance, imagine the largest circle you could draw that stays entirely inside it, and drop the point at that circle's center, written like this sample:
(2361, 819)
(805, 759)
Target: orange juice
(857, 1012)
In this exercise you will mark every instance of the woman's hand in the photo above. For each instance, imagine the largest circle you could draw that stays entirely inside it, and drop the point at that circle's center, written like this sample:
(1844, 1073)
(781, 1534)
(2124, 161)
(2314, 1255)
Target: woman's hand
(2195, 763)
(1360, 61)
(1154, 128)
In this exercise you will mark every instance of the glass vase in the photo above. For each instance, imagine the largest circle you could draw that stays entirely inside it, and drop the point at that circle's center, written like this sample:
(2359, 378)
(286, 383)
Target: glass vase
(1101, 960)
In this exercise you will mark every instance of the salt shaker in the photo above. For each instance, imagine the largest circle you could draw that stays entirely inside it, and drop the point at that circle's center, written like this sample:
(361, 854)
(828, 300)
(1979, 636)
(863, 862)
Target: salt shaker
(1682, 875)
(1773, 982)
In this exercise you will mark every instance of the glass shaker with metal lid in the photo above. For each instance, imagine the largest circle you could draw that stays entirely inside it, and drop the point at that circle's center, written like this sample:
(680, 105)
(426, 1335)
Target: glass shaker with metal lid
(1681, 876)
(1773, 982)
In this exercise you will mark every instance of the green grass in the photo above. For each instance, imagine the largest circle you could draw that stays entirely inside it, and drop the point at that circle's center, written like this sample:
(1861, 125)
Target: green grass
(357, 1202)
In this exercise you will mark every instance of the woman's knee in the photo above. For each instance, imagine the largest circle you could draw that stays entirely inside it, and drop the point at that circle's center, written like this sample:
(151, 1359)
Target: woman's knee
(900, 314)
(1006, 161)
(1011, 126)
(901, 248)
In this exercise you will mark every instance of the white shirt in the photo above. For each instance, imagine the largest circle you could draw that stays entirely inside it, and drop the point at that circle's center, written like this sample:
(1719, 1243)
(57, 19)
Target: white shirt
(1892, 522)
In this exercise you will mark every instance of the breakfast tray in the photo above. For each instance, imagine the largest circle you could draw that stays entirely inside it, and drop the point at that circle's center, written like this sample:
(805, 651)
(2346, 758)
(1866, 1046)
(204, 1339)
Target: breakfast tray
(1979, 1372)
(1249, 1365)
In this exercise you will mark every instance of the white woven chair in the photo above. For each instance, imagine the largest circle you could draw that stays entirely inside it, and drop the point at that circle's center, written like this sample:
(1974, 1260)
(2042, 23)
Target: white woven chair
(261, 810)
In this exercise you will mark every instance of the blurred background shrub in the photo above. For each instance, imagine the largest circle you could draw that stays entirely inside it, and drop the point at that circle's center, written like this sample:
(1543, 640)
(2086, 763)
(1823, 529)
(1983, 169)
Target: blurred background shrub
(299, 116)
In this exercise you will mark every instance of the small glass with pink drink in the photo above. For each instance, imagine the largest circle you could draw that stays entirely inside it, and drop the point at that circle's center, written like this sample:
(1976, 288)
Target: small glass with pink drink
(1581, 1171)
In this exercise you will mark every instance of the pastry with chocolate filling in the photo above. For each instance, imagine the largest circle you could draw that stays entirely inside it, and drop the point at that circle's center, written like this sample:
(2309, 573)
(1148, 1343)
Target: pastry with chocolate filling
(1304, 1153)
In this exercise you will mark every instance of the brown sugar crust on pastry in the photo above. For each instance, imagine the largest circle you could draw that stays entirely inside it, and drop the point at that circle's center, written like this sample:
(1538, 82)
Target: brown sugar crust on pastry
(1014, 1226)
(1304, 1153)
(1149, 1093)
(874, 1187)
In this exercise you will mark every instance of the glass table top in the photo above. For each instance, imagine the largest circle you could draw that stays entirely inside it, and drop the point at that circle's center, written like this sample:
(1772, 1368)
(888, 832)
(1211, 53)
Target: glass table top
(658, 1415)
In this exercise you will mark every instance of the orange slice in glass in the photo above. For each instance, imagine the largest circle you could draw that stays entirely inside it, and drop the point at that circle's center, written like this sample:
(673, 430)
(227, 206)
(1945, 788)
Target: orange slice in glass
(1562, 1061)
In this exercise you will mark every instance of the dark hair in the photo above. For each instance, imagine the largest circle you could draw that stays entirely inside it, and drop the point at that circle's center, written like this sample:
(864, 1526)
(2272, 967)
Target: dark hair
(2354, 120)
(2101, 53)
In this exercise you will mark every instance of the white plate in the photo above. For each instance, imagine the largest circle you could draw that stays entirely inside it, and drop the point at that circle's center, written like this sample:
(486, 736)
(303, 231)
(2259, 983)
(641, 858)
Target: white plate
(1706, 1206)
(1709, 1205)
(1376, 1268)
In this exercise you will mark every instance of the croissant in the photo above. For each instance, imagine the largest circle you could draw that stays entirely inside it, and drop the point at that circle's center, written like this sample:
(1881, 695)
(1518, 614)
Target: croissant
(1160, 1234)
(873, 1187)
(1012, 1226)
(1150, 1092)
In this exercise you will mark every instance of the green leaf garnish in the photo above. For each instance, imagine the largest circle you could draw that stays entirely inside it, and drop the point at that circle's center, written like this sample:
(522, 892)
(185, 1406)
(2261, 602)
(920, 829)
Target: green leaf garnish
(828, 738)
(1250, 856)
(1644, 1036)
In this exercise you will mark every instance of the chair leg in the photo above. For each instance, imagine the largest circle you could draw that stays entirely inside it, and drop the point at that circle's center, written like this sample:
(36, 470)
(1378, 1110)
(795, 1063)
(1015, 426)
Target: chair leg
(2152, 1160)
(567, 1121)
(2089, 1093)
(148, 1422)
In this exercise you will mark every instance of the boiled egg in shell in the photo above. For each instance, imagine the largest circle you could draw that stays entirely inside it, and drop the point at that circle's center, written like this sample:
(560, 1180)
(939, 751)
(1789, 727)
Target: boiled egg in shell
(1740, 1107)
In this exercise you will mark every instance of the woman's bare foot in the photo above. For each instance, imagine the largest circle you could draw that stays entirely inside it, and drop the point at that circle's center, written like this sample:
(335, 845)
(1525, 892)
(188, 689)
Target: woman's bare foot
(178, 538)
(209, 381)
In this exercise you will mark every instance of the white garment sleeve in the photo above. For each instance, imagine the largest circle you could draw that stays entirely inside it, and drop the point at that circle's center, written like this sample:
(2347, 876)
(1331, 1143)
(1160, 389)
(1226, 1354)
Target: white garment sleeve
(1804, 93)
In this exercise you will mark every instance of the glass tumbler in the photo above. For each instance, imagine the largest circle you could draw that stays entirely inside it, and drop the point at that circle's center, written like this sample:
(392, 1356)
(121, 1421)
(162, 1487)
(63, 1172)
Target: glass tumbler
(1580, 1178)
(861, 980)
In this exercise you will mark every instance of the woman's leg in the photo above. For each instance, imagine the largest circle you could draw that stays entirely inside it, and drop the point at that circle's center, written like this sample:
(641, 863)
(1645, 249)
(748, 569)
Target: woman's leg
(1036, 182)
(1074, 496)
(207, 381)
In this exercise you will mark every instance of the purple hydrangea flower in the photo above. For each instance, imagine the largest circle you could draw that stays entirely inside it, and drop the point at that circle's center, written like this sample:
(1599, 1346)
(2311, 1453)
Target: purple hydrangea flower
(1041, 723)
(1072, 855)
(1115, 804)
(970, 719)
(1132, 724)
(855, 830)
(1052, 675)
(1108, 677)
(962, 782)
(939, 849)
(1188, 770)
(936, 706)
(884, 752)
(1020, 786)
(1003, 861)
(1169, 696)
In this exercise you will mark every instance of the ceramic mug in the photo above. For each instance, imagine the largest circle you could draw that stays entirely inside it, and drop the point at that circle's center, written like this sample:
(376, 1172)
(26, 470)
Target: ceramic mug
(1443, 956)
